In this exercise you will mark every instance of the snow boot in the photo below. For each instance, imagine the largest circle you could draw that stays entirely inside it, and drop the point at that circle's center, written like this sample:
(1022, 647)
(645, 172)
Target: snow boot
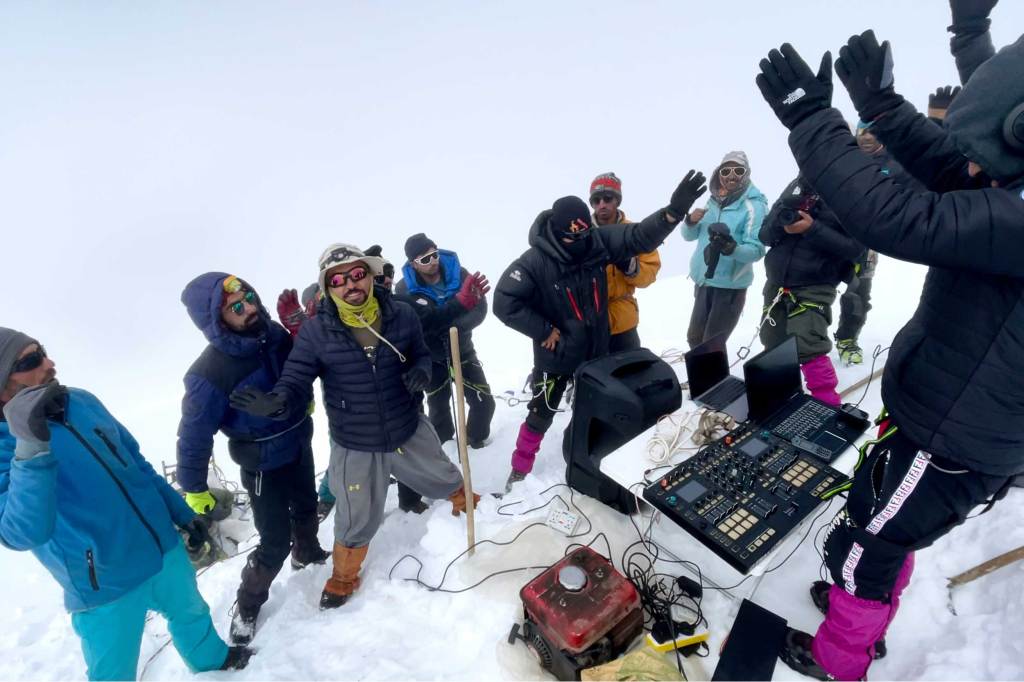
(820, 377)
(819, 595)
(410, 501)
(243, 625)
(527, 445)
(513, 478)
(849, 352)
(458, 500)
(479, 444)
(796, 653)
(238, 657)
(344, 579)
(306, 547)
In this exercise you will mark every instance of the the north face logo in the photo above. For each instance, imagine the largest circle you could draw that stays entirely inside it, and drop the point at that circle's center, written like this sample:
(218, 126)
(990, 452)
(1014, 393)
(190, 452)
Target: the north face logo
(422, 301)
(516, 275)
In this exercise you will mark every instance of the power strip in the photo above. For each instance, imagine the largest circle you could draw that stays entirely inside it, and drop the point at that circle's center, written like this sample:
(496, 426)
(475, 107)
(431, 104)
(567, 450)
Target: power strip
(563, 520)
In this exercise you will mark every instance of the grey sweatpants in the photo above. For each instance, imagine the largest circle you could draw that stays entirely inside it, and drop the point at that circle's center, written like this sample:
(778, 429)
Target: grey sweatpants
(360, 481)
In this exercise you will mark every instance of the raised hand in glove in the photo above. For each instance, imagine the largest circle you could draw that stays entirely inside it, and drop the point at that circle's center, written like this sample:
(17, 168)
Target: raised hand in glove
(940, 101)
(197, 534)
(416, 380)
(971, 15)
(290, 311)
(255, 401)
(473, 290)
(26, 417)
(720, 233)
(201, 503)
(791, 88)
(688, 191)
(865, 67)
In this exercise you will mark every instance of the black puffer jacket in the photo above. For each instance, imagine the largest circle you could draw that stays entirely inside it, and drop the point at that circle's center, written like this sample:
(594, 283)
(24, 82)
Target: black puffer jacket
(368, 405)
(545, 288)
(824, 254)
(954, 379)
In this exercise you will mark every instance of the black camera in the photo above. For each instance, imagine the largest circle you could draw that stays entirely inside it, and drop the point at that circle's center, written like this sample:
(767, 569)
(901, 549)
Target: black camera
(801, 198)
(719, 241)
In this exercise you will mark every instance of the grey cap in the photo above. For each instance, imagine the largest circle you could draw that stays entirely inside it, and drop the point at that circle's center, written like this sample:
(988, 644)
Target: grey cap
(12, 342)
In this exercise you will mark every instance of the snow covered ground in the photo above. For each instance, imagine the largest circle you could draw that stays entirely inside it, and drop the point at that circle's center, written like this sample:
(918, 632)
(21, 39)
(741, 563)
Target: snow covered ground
(396, 629)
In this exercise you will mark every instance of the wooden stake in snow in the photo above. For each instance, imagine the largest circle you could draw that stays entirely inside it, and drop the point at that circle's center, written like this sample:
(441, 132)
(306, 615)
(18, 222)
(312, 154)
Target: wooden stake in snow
(980, 570)
(467, 480)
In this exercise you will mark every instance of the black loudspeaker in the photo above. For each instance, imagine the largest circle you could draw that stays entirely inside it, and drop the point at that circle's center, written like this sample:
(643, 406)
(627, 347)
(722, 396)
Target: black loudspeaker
(616, 397)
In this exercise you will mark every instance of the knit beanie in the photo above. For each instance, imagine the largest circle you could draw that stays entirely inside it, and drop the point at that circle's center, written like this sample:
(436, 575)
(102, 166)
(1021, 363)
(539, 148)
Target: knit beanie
(12, 343)
(565, 212)
(606, 182)
(418, 244)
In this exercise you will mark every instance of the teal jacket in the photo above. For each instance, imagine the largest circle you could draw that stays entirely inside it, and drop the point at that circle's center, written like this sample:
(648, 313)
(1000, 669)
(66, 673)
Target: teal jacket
(743, 216)
(92, 509)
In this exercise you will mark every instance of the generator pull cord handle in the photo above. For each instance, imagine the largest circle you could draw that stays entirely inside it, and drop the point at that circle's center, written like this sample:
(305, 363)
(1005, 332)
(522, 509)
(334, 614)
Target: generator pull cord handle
(460, 401)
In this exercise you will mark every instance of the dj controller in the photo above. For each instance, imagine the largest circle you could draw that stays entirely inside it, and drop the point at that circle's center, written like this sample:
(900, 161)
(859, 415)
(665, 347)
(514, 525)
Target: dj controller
(741, 495)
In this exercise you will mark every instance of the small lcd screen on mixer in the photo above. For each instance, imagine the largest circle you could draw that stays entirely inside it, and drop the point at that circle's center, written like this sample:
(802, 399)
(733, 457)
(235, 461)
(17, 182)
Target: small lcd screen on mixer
(691, 491)
(753, 447)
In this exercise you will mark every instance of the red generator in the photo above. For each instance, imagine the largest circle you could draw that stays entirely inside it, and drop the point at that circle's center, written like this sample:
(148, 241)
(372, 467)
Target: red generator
(579, 613)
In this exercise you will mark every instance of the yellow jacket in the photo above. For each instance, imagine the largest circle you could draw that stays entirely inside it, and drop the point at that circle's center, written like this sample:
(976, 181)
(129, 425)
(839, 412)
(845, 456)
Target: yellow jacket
(623, 311)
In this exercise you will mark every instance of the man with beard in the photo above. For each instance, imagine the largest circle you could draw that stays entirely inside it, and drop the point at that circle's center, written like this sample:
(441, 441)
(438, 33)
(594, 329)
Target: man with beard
(247, 349)
(76, 491)
(373, 364)
(556, 293)
(624, 277)
(722, 266)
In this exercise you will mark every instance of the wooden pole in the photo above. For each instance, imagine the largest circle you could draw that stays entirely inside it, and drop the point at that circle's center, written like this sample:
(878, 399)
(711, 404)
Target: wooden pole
(460, 400)
(987, 567)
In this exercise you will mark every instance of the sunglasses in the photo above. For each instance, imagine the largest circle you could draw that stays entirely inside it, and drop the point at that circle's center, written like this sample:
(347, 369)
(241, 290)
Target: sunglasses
(389, 273)
(607, 198)
(738, 171)
(340, 279)
(427, 259)
(238, 307)
(30, 361)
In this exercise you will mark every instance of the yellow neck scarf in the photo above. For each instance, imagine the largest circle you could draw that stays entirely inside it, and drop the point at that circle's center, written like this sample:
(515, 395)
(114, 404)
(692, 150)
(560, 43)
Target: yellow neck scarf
(358, 315)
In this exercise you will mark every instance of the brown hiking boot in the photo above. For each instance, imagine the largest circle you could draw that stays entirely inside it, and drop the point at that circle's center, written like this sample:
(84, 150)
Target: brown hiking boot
(345, 578)
(458, 500)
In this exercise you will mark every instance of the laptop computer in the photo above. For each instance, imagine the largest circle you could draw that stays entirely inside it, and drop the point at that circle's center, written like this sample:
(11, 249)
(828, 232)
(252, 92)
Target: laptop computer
(711, 385)
(778, 404)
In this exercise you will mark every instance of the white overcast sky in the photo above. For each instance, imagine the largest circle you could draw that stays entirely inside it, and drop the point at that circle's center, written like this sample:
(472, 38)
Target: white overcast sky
(143, 143)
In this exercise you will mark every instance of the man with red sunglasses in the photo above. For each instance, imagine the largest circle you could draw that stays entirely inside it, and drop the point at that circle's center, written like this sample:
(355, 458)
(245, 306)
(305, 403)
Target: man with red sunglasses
(368, 351)
(626, 276)
(444, 294)
(556, 293)
(247, 349)
(76, 491)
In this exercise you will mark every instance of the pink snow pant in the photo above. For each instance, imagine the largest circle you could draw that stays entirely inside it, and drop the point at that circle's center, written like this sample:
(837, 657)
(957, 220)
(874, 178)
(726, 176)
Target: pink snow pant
(845, 643)
(527, 445)
(820, 377)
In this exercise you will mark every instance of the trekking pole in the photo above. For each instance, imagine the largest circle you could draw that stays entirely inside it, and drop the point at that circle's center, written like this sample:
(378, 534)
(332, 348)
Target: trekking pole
(460, 399)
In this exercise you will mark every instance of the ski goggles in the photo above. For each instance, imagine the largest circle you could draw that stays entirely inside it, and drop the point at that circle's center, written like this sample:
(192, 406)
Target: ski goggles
(427, 259)
(738, 171)
(238, 307)
(340, 279)
(29, 362)
(577, 230)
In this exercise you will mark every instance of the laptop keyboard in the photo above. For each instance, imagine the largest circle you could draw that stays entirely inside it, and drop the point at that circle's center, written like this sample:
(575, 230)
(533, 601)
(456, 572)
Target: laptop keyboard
(810, 417)
(723, 394)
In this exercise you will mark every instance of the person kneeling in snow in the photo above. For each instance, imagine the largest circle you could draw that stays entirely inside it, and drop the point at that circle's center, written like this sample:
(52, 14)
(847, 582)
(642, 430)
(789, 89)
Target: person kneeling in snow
(373, 364)
(809, 255)
(76, 491)
(556, 293)
(247, 348)
(956, 435)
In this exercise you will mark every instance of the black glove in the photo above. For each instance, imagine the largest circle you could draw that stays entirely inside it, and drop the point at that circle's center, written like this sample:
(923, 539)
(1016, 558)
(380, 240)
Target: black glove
(971, 15)
(942, 98)
(197, 532)
(789, 86)
(416, 380)
(26, 415)
(721, 235)
(688, 191)
(374, 250)
(255, 401)
(865, 67)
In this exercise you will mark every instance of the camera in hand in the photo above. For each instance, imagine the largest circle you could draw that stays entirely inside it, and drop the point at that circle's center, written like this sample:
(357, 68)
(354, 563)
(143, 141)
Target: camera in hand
(802, 198)
(719, 241)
